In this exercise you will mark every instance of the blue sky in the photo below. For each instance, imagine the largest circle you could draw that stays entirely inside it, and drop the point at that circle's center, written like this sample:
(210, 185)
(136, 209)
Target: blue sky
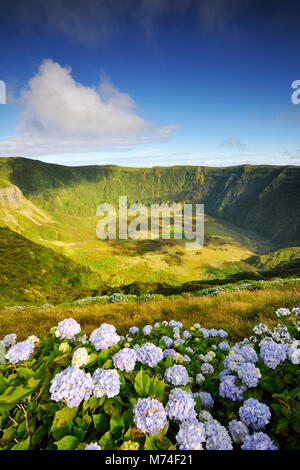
(144, 83)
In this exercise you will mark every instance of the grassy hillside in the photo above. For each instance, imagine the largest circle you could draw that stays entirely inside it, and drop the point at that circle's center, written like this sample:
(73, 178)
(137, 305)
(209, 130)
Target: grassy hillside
(265, 199)
(31, 273)
(236, 312)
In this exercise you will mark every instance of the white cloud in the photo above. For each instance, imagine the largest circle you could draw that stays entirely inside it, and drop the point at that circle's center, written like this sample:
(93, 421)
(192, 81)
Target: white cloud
(61, 115)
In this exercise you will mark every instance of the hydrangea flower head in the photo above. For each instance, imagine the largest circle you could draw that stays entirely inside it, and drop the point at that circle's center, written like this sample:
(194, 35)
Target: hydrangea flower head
(133, 330)
(130, 445)
(147, 329)
(92, 446)
(249, 374)
(67, 328)
(168, 341)
(181, 405)
(258, 441)
(238, 431)
(9, 340)
(207, 368)
(191, 435)
(80, 357)
(177, 375)
(273, 354)
(125, 359)
(200, 379)
(217, 437)
(106, 383)
(149, 415)
(255, 414)
(104, 337)
(150, 354)
(20, 351)
(228, 388)
(207, 401)
(71, 386)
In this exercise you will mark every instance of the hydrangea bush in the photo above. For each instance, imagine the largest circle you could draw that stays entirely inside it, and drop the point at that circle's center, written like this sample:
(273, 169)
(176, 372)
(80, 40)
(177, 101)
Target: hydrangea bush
(160, 387)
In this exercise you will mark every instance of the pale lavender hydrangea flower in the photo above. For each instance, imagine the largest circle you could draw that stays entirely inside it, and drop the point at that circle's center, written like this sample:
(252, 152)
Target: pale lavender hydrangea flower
(147, 329)
(217, 437)
(92, 446)
(273, 354)
(258, 441)
(67, 329)
(207, 368)
(177, 375)
(228, 388)
(207, 401)
(20, 351)
(9, 340)
(106, 383)
(181, 405)
(191, 435)
(150, 354)
(249, 374)
(125, 359)
(168, 341)
(149, 415)
(133, 330)
(71, 386)
(104, 337)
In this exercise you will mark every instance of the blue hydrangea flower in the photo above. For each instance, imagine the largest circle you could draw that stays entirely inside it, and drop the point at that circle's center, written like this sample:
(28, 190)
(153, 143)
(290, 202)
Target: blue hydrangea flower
(191, 435)
(169, 352)
(178, 342)
(168, 341)
(9, 340)
(125, 359)
(104, 337)
(106, 383)
(258, 441)
(255, 414)
(150, 354)
(222, 333)
(217, 437)
(207, 401)
(177, 375)
(181, 405)
(224, 346)
(238, 431)
(207, 368)
(176, 332)
(273, 354)
(228, 388)
(133, 330)
(67, 329)
(20, 351)
(147, 330)
(71, 386)
(247, 352)
(249, 374)
(149, 415)
(92, 446)
(186, 334)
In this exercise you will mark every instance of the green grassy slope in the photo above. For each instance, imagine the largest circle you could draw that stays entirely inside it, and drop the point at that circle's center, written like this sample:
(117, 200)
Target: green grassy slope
(31, 273)
(265, 199)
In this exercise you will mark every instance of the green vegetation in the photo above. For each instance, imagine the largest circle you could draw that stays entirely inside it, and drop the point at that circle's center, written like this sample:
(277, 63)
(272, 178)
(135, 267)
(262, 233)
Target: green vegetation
(54, 206)
(31, 273)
